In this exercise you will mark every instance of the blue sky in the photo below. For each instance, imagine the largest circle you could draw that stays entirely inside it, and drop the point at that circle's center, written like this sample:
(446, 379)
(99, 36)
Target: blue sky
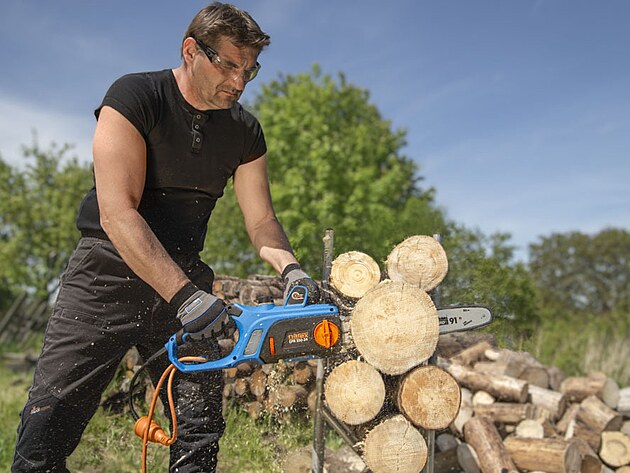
(518, 113)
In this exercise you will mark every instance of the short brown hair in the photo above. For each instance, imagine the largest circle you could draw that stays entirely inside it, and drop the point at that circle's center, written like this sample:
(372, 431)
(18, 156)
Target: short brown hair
(219, 20)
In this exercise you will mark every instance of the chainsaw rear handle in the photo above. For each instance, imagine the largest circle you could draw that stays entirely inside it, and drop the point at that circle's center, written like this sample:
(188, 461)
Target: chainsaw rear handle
(254, 324)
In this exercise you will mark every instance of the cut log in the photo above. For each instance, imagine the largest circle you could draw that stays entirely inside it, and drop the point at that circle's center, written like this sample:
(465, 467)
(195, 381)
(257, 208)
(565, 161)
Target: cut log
(578, 388)
(506, 412)
(501, 387)
(467, 458)
(536, 376)
(615, 450)
(623, 406)
(482, 397)
(579, 430)
(463, 416)
(258, 383)
(354, 392)
(420, 261)
(553, 401)
(530, 429)
(446, 442)
(395, 327)
(354, 273)
(472, 354)
(549, 455)
(598, 416)
(556, 376)
(395, 445)
(302, 372)
(567, 418)
(429, 397)
(483, 436)
(590, 460)
(625, 428)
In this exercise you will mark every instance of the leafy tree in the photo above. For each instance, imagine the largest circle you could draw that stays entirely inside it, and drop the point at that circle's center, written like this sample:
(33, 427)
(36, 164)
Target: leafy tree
(334, 162)
(38, 206)
(482, 271)
(583, 273)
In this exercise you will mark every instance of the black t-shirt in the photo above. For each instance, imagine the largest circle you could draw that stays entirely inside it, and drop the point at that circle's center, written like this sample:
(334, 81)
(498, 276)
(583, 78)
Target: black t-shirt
(190, 157)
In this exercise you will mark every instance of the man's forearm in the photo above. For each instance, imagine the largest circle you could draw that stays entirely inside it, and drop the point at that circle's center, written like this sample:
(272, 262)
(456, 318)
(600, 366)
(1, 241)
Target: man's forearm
(144, 254)
(272, 244)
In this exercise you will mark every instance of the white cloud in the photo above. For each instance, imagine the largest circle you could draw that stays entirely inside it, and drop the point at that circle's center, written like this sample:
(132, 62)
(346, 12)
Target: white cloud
(18, 121)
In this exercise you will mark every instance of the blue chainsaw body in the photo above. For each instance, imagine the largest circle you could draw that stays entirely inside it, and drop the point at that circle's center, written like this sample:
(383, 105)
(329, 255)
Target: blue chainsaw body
(268, 333)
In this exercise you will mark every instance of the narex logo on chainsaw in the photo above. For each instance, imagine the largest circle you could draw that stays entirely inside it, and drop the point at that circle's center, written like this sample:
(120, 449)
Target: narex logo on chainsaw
(297, 337)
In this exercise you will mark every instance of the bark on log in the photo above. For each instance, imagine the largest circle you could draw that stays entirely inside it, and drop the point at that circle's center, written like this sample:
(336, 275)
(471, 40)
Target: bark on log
(501, 387)
(483, 436)
(354, 273)
(429, 397)
(471, 354)
(598, 416)
(567, 418)
(578, 388)
(556, 376)
(549, 455)
(420, 261)
(553, 401)
(395, 327)
(536, 376)
(395, 445)
(590, 460)
(615, 450)
(467, 458)
(506, 412)
(581, 431)
(354, 392)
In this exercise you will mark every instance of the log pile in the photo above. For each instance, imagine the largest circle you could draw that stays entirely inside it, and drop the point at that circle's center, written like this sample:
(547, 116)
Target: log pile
(493, 410)
(518, 415)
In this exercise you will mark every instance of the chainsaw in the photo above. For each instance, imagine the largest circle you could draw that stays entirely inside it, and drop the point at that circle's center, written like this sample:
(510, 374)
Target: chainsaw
(268, 333)
(296, 329)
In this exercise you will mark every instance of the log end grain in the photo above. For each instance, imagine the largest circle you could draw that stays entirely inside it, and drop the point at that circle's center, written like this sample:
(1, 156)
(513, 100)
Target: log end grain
(354, 273)
(354, 392)
(395, 445)
(419, 260)
(395, 327)
(429, 397)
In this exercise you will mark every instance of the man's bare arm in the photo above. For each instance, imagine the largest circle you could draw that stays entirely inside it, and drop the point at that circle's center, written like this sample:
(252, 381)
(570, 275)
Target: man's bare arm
(265, 232)
(120, 168)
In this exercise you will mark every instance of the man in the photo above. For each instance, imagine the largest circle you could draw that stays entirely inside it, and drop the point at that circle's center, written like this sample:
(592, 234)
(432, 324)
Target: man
(165, 145)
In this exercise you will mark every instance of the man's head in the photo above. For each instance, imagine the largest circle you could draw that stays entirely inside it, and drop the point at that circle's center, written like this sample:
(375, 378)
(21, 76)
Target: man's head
(221, 20)
(220, 51)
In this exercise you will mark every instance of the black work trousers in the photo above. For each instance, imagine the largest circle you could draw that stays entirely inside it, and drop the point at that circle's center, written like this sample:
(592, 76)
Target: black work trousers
(102, 310)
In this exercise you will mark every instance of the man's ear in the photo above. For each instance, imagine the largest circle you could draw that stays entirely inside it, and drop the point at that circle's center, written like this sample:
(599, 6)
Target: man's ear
(189, 49)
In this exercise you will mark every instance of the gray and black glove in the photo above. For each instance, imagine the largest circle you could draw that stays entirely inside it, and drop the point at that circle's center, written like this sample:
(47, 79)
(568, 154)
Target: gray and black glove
(292, 275)
(202, 315)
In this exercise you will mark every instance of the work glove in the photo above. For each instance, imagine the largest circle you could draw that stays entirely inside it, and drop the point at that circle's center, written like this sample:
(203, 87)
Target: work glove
(293, 276)
(202, 315)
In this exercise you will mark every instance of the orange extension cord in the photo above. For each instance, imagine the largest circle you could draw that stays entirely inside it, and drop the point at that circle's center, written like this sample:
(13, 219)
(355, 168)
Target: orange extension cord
(148, 429)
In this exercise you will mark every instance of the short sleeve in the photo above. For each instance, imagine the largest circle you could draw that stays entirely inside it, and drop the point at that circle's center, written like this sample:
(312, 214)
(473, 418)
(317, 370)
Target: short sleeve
(254, 144)
(135, 97)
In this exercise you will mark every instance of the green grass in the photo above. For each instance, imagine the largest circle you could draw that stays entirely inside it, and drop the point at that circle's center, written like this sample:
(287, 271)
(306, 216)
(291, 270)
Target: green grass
(109, 445)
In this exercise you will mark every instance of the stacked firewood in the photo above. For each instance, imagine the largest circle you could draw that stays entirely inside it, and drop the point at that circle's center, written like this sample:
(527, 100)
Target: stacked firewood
(518, 415)
(385, 392)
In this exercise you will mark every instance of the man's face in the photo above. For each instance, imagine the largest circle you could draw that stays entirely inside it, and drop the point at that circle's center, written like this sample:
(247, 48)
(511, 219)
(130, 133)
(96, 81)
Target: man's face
(220, 83)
